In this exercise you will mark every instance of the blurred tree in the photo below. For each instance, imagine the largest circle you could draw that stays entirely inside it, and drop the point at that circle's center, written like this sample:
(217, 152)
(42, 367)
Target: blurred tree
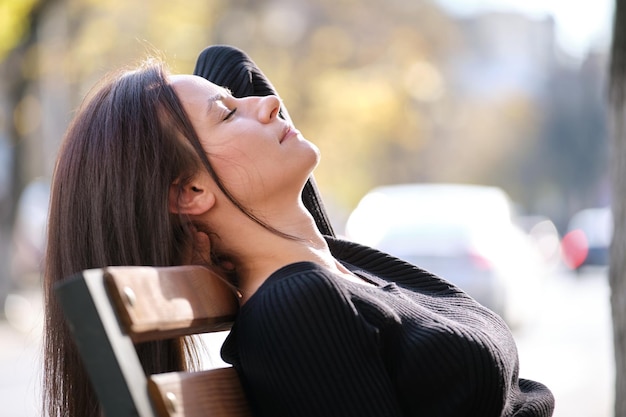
(52, 52)
(16, 20)
(574, 135)
(19, 34)
(391, 91)
(617, 269)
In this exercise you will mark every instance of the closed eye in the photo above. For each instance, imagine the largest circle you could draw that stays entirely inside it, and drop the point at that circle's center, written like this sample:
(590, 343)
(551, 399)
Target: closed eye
(230, 114)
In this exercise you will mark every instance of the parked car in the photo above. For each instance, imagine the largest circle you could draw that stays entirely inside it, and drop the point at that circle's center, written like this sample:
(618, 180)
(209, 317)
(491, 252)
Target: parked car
(588, 238)
(463, 233)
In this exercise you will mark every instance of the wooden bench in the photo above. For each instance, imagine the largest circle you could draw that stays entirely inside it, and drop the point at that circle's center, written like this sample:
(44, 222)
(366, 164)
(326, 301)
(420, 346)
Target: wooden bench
(111, 309)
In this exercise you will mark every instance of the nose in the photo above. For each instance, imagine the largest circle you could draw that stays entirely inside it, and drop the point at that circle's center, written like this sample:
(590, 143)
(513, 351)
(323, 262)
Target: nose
(268, 108)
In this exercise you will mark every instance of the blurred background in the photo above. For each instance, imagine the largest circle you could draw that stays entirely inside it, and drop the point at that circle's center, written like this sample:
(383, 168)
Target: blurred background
(503, 95)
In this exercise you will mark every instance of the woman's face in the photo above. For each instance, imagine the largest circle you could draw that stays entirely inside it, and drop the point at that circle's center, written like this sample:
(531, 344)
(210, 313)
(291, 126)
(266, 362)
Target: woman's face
(256, 154)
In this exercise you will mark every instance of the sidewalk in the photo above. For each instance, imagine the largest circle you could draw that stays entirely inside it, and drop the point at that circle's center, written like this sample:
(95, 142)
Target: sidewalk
(555, 350)
(20, 357)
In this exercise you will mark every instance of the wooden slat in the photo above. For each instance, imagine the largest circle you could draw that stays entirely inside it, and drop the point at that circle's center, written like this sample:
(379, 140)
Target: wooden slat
(121, 385)
(211, 393)
(160, 303)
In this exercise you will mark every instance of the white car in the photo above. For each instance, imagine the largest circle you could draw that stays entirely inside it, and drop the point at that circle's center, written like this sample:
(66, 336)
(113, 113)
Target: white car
(462, 233)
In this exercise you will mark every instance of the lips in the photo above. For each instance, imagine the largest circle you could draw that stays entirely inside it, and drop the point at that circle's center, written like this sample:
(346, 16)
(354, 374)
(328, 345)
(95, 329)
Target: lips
(288, 132)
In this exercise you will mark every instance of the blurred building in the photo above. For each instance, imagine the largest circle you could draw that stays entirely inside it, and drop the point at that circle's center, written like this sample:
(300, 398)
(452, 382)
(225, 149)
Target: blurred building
(505, 52)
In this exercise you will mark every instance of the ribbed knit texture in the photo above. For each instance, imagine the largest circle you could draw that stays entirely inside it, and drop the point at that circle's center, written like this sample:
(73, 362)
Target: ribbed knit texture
(232, 68)
(309, 343)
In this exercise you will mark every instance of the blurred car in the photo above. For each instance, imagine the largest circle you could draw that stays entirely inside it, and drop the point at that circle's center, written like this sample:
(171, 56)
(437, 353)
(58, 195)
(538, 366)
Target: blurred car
(463, 233)
(588, 238)
(545, 236)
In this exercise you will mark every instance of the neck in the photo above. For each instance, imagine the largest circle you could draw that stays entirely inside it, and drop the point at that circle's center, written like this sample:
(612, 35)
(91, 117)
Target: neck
(262, 252)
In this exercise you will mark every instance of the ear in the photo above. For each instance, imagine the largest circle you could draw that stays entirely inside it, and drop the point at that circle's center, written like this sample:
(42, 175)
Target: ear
(194, 198)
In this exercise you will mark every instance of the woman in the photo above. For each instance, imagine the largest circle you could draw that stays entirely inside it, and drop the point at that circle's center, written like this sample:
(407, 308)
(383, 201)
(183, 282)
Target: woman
(326, 327)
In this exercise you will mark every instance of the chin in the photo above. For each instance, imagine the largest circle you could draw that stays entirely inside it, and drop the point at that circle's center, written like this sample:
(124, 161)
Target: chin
(315, 160)
(316, 155)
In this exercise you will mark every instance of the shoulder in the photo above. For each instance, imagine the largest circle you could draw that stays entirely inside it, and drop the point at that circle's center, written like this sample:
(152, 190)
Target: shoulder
(370, 259)
(303, 349)
(389, 268)
(300, 306)
(296, 290)
(299, 277)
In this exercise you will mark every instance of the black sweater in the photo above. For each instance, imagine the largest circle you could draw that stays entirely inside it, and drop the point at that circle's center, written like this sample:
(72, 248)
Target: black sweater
(310, 344)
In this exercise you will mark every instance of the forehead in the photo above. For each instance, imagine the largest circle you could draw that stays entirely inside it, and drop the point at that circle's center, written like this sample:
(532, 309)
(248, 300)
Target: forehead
(191, 88)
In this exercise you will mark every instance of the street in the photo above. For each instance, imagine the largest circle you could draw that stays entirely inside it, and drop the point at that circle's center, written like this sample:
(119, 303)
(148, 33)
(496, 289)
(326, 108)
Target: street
(20, 356)
(568, 347)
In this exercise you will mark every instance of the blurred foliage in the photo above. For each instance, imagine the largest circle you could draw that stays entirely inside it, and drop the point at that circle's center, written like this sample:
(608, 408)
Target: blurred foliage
(14, 23)
(107, 34)
(372, 82)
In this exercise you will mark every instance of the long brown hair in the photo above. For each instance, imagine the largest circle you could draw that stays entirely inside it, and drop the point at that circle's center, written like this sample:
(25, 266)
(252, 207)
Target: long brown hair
(109, 206)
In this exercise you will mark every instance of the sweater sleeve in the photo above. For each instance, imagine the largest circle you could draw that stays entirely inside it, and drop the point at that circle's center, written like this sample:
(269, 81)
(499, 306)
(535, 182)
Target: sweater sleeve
(306, 351)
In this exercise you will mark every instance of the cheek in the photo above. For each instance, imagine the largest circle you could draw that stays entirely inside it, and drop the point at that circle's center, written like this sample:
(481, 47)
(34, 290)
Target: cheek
(238, 171)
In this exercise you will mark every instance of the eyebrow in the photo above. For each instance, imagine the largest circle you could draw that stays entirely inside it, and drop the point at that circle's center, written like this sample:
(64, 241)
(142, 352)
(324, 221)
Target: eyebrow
(216, 97)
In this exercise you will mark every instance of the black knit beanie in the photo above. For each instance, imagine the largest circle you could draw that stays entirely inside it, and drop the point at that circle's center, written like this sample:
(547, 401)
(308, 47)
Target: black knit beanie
(232, 68)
